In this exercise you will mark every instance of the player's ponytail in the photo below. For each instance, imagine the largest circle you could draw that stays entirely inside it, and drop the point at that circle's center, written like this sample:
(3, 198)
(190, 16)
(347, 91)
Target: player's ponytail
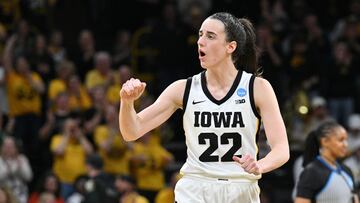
(248, 60)
(245, 56)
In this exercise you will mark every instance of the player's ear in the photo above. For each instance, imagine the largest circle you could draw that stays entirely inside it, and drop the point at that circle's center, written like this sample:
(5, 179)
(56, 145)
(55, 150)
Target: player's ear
(231, 46)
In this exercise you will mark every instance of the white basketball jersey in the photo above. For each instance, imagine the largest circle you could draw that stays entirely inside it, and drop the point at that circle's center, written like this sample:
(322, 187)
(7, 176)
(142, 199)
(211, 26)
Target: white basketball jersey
(216, 130)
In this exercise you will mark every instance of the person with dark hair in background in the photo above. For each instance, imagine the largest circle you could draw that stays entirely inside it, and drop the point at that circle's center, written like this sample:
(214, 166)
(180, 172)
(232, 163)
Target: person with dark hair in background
(114, 151)
(84, 55)
(126, 187)
(69, 149)
(99, 186)
(325, 179)
(79, 186)
(24, 91)
(223, 109)
(49, 183)
(15, 169)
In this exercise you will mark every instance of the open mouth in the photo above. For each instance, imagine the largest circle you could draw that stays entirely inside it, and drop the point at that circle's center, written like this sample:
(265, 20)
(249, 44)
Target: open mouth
(201, 53)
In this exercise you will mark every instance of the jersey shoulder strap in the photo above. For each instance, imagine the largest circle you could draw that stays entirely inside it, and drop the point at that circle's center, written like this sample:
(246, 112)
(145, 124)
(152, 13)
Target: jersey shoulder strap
(186, 92)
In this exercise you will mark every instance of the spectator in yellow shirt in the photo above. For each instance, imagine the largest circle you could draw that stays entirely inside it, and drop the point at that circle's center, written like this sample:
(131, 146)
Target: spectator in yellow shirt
(24, 90)
(67, 81)
(79, 98)
(167, 195)
(70, 150)
(111, 146)
(95, 115)
(112, 93)
(102, 74)
(147, 164)
(55, 120)
(64, 70)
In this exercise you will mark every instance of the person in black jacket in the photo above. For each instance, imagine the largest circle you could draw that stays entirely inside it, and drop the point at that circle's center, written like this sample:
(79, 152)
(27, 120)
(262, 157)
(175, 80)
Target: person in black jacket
(100, 185)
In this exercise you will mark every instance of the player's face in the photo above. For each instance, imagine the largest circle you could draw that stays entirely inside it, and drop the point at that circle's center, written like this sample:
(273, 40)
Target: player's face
(212, 45)
(337, 143)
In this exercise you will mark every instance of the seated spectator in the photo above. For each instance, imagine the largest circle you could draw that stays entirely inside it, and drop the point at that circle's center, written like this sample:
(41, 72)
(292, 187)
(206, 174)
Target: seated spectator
(56, 116)
(79, 99)
(112, 148)
(102, 74)
(99, 186)
(40, 60)
(96, 114)
(50, 184)
(64, 70)
(69, 150)
(126, 186)
(55, 48)
(341, 75)
(47, 197)
(15, 170)
(112, 93)
(54, 122)
(167, 195)
(79, 186)
(147, 164)
(83, 56)
(122, 48)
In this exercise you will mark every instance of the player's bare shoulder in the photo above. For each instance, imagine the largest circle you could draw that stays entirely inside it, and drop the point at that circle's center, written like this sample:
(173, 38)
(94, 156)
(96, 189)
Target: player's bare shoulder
(263, 91)
(260, 83)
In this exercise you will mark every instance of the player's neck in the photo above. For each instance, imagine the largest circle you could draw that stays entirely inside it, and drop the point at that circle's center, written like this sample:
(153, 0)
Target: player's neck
(221, 76)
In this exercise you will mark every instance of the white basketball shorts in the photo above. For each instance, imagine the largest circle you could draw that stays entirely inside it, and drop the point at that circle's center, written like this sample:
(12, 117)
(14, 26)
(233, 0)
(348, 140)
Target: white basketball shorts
(190, 189)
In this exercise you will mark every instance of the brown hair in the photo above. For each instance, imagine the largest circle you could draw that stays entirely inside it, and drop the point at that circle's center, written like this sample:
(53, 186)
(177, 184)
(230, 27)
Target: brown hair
(241, 31)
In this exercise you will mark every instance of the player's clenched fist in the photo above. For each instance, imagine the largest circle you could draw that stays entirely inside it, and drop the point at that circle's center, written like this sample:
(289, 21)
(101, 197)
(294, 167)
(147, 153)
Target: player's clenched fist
(248, 163)
(132, 90)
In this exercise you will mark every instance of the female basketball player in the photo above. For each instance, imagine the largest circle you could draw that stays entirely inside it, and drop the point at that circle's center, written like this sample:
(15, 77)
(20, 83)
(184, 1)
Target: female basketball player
(222, 110)
(324, 179)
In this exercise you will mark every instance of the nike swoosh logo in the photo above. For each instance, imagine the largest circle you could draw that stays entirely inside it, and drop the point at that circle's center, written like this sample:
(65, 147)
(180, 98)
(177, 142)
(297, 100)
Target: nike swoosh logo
(197, 102)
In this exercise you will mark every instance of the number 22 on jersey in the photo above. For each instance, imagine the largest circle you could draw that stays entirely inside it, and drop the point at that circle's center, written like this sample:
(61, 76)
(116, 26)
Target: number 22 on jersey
(207, 156)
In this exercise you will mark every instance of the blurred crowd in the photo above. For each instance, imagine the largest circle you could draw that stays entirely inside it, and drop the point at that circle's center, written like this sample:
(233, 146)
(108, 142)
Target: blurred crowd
(62, 64)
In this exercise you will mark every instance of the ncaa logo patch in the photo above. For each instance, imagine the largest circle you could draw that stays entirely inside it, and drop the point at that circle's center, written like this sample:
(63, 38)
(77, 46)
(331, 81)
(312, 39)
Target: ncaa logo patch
(241, 92)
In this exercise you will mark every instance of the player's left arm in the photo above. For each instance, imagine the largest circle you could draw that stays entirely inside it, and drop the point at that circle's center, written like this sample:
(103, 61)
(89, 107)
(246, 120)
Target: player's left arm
(266, 103)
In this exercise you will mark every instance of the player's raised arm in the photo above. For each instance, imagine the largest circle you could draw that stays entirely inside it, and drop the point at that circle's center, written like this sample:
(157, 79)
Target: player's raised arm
(132, 124)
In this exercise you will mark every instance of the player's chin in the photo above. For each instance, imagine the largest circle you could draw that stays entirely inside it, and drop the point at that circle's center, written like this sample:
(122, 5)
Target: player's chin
(203, 66)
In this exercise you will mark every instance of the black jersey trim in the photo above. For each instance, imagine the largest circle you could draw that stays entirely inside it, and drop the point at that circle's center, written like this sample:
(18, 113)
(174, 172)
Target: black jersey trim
(186, 92)
(227, 96)
(251, 95)
(257, 136)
